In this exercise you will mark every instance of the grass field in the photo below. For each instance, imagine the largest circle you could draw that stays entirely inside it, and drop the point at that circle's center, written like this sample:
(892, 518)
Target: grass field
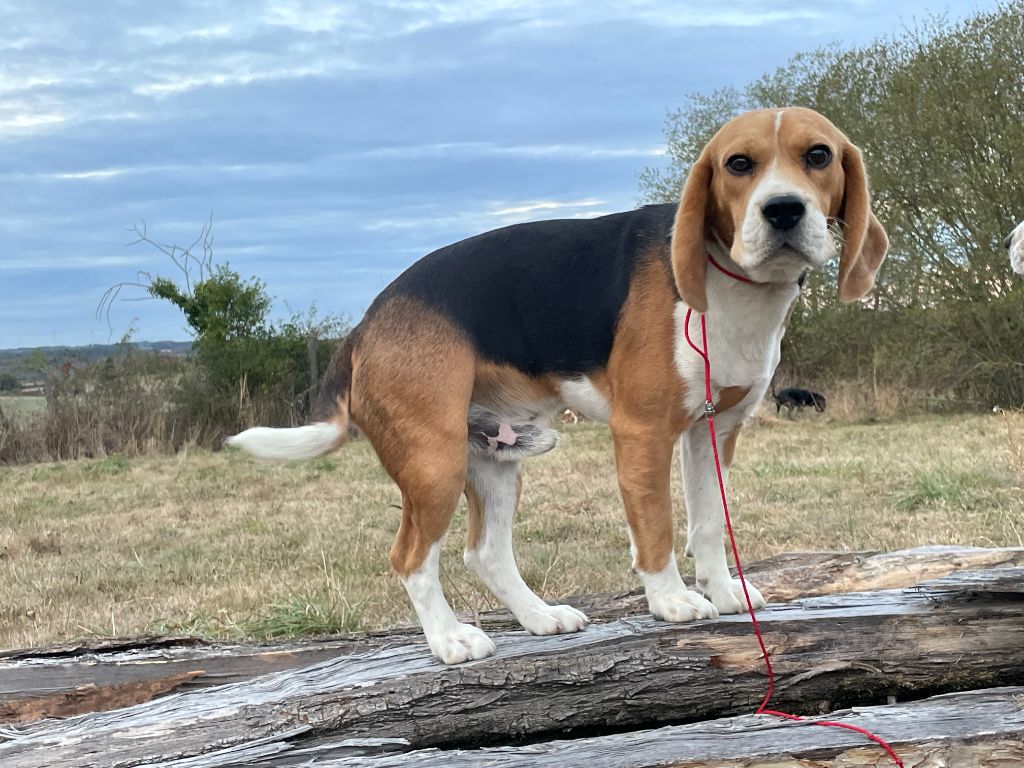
(221, 545)
(22, 405)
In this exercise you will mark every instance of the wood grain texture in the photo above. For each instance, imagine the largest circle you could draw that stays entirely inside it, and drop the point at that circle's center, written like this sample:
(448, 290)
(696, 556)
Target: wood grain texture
(827, 651)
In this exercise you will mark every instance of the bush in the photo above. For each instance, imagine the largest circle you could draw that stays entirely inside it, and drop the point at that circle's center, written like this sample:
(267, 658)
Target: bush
(263, 379)
(955, 356)
(122, 405)
(246, 369)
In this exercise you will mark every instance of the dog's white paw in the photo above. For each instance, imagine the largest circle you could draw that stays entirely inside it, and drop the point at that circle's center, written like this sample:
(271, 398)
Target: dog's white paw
(727, 595)
(461, 643)
(553, 620)
(680, 605)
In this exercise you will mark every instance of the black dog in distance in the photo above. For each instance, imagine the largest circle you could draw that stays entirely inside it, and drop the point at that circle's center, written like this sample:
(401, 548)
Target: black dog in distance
(793, 397)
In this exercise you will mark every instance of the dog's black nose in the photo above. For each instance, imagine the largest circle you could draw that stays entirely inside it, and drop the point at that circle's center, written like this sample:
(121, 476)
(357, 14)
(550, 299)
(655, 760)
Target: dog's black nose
(1007, 241)
(783, 212)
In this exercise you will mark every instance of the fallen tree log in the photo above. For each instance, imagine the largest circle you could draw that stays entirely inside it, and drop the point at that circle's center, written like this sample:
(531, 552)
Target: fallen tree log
(108, 674)
(964, 632)
(979, 728)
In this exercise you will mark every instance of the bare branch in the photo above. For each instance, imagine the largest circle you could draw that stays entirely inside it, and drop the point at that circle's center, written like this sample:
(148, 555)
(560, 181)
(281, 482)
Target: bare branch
(194, 268)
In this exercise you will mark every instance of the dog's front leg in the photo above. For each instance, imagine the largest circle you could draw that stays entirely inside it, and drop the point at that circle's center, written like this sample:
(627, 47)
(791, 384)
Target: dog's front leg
(705, 518)
(643, 459)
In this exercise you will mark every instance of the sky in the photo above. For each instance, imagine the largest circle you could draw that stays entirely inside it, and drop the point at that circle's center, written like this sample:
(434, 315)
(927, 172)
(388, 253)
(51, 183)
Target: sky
(333, 143)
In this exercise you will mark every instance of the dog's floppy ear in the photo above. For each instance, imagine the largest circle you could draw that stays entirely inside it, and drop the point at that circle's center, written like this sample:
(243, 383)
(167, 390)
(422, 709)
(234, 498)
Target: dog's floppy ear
(864, 239)
(689, 253)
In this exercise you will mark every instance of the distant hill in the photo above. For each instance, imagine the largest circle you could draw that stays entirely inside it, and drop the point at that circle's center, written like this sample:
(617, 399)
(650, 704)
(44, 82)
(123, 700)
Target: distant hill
(24, 363)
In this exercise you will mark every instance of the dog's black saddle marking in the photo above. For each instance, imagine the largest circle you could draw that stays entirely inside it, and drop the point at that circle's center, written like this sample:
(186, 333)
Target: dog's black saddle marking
(545, 296)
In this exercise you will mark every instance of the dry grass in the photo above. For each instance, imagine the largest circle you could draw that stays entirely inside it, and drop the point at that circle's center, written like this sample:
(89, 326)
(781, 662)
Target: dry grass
(19, 406)
(224, 546)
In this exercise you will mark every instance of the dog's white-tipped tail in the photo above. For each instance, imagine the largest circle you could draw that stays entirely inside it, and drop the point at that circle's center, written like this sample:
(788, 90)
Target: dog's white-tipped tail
(315, 439)
(306, 442)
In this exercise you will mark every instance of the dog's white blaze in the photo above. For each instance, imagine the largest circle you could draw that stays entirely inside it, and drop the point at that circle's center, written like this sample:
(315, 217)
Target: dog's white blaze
(493, 560)
(306, 442)
(581, 395)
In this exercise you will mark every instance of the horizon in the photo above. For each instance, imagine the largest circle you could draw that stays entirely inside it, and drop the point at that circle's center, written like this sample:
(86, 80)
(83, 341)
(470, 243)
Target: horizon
(333, 145)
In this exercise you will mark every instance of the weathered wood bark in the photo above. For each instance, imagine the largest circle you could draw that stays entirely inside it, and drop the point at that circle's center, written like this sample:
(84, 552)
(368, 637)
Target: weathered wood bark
(802, 574)
(966, 632)
(108, 674)
(980, 728)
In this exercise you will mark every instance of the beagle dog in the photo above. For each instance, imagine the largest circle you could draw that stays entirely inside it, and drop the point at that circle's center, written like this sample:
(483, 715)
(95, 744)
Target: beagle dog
(459, 364)
(1014, 243)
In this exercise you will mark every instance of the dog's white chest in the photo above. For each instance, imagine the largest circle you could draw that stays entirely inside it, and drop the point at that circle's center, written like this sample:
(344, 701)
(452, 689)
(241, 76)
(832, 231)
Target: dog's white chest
(743, 346)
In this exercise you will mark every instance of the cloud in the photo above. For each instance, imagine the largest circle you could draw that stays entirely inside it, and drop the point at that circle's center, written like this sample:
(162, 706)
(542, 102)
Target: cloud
(429, 222)
(101, 173)
(464, 149)
(166, 35)
(69, 261)
(26, 120)
(335, 142)
(311, 16)
(532, 208)
(241, 75)
(193, 45)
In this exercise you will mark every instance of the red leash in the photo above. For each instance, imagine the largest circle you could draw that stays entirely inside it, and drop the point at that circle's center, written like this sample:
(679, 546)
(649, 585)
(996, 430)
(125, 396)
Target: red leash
(709, 412)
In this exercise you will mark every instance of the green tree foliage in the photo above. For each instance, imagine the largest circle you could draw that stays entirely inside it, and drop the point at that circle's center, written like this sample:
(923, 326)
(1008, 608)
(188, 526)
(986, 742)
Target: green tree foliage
(939, 114)
(247, 369)
(221, 307)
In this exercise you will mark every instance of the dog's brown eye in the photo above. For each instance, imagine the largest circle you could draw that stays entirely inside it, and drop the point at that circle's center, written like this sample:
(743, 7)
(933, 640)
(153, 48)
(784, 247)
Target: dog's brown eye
(740, 165)
(819, 156)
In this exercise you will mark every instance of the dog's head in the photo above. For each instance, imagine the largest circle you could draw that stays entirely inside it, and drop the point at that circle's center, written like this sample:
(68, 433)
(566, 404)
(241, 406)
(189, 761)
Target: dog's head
(766, 188)
(1014, 243)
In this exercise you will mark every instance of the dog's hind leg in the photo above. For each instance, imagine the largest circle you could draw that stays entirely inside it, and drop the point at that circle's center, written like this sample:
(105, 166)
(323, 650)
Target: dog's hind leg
(410, 400)
(492, 491)
(426, 512)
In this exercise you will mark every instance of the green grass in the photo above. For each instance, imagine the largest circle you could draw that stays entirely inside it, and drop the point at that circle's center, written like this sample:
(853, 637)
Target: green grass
(228, 547)
(943, 487)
